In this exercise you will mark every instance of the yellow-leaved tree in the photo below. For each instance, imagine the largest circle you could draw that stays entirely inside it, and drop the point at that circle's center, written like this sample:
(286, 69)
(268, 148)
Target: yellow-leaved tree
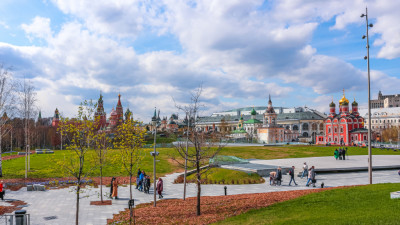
(129, 139)
(79, 134)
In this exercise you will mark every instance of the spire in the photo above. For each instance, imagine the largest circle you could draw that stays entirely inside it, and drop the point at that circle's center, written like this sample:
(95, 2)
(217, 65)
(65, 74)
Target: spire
(119, 100)
(269, 102)
(40, 115)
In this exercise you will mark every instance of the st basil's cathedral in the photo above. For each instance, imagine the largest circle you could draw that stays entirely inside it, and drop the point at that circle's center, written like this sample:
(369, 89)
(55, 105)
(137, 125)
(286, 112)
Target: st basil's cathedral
(116, 116)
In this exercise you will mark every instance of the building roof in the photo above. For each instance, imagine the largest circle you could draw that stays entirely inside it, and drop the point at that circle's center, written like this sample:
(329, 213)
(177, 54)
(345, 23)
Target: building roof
(251, 121)
(307, 115)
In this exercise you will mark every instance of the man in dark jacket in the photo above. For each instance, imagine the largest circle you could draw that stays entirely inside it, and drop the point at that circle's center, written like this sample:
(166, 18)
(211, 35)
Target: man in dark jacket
(291, 173)
(279, 176)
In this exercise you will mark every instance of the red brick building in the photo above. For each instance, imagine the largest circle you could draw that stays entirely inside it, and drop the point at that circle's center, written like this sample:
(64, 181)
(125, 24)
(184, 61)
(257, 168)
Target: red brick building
(344, 128)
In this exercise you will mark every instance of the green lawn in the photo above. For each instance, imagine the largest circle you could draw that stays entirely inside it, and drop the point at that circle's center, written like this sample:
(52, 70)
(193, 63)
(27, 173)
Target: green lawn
(45, 165)
(369, 204)
(225, 176)
(293, 151)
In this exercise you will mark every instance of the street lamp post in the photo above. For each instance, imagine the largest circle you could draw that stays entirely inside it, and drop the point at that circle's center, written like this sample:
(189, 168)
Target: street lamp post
(154, 154)
(369, 97)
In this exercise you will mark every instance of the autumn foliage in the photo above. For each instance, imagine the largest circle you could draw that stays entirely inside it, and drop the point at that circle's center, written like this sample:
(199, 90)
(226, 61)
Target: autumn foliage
(177, 211)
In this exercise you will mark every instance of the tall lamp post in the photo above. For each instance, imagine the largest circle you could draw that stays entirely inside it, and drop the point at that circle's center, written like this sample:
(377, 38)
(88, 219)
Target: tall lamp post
(154, 154)
(369, 97)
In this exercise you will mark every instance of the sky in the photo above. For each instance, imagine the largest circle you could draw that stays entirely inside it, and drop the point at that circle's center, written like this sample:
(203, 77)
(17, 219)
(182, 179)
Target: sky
(156, 52)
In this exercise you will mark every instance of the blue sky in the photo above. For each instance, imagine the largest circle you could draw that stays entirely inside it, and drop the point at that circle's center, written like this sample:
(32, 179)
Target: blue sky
(300, 52)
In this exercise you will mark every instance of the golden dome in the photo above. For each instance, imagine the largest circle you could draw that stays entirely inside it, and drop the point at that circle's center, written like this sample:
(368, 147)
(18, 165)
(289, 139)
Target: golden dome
(344, 99)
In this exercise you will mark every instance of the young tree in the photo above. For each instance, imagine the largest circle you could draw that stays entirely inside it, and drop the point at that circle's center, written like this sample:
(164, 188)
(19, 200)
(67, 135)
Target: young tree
(80, 133)
(129, 140)
(28, 112)
(203, 145)
(7, 99)
(101, 147)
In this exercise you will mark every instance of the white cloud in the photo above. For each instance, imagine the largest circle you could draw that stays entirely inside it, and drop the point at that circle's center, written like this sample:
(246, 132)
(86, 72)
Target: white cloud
(39, 28)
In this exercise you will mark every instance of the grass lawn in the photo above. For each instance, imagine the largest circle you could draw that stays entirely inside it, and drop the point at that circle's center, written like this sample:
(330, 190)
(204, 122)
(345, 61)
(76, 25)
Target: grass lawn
(293, 151)
(45, 165)
(370, 204)
(225, 176)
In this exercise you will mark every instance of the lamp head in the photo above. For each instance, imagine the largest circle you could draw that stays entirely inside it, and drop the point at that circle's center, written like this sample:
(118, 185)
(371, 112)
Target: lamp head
(363, 37)
(370, 25)
(362, 15)
(365, 57)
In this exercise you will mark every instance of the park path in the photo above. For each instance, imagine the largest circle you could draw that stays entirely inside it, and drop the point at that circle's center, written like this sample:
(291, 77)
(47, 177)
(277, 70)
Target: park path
(59, 205)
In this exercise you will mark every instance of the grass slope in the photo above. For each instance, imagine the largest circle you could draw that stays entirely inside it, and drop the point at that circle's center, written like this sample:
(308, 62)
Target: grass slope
(45, 165)
(292, 151)
(369, 204)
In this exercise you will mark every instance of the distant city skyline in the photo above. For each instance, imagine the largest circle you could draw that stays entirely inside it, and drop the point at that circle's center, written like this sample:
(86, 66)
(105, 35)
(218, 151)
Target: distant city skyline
(303, 53)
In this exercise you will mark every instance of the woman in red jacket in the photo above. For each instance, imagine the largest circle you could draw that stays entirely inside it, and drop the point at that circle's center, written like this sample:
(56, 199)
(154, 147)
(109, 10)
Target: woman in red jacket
(1, 190)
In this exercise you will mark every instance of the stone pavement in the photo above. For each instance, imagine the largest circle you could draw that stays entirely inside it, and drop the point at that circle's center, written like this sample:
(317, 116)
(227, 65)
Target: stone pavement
(61, 203)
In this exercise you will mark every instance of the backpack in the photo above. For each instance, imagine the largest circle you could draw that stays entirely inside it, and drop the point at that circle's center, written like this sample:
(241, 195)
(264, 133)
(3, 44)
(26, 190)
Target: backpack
(290, 172)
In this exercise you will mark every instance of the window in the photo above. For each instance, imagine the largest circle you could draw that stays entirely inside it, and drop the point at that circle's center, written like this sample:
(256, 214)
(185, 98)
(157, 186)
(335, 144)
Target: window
(335, 130)
(341, 130)
(295, 127)
(329, 130)
(305, 126)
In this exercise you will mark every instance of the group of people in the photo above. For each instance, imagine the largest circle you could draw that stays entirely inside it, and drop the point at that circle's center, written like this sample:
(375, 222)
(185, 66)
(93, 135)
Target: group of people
(143, 182)
(275, 177)
(340, 154)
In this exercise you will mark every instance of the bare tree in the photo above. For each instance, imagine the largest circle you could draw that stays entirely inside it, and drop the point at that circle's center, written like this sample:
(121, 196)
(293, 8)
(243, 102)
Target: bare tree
(7, 99)
(203, 147)
(28, 112)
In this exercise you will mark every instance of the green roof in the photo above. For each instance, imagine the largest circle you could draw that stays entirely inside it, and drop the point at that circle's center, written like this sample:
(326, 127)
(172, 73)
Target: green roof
(250, 121)
(239, 131)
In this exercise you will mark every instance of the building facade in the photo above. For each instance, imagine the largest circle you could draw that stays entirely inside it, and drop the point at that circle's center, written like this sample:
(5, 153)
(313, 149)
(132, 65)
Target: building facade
(385, 101)
(344, 128)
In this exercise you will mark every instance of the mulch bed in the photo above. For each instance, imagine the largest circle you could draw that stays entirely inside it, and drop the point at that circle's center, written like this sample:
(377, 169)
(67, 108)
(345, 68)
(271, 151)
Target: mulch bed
(10, 209)
(213, 209)
(15, 156)
(106, 202)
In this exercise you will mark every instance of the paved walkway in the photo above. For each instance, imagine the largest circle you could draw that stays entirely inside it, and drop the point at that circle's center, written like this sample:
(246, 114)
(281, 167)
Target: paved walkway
(61, 203)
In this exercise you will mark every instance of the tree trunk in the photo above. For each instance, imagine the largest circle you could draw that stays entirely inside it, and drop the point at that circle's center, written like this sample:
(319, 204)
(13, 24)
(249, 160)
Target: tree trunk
(1, 151)
(101, 183)
(198, 188)
(78, 188)
(130, 176)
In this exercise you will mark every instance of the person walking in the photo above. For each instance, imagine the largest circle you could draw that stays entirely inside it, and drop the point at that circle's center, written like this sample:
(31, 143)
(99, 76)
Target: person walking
(305, 170)
(148, 184)
(340, 153)
(347, 153)
(272, 176)
(137, 178)
(115, 188)
(111, 186)
(344, 154)
(141, 177)
(311, 177)
(279, 176)
(336, 154)
(2, 192)
(291, 173)
(160, 188)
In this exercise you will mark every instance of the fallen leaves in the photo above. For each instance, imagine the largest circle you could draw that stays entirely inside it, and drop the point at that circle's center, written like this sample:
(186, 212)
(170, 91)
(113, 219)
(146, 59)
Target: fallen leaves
(213, 209)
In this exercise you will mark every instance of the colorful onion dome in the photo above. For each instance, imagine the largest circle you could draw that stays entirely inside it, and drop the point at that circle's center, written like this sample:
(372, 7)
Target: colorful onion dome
(354, 103)
(253, 112)
(344, 100)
